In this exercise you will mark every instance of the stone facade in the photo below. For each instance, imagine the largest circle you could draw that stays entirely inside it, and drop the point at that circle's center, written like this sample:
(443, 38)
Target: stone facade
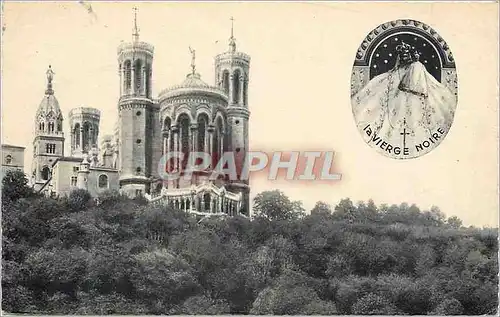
(12, 159)
(192, 116)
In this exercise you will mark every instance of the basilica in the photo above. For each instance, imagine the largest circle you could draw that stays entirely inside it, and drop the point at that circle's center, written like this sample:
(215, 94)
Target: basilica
(191, 116)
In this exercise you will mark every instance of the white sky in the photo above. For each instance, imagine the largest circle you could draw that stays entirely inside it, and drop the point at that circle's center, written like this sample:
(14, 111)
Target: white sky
(299, 90)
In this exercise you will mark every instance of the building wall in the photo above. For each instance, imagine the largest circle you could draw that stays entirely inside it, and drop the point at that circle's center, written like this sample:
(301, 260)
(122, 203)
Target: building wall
(156, 142)
(93, 180)
(16, 161)
(41, 158)
(62, 172)
(135, 145)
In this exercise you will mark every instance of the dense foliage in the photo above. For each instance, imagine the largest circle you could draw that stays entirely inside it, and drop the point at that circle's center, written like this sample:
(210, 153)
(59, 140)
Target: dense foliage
(122, 256)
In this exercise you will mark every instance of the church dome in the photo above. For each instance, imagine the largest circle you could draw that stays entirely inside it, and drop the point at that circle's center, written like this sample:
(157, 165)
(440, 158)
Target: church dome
(49, 104)
(194, 81)
(192, 85)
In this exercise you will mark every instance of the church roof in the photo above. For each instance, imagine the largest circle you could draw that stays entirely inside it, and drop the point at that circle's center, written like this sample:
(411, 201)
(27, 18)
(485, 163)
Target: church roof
(49, 104)
(194, 81)
(192, 85)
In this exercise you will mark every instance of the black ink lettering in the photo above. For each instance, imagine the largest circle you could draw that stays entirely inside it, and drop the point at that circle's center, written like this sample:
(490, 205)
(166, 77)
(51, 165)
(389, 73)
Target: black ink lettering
(389, 148)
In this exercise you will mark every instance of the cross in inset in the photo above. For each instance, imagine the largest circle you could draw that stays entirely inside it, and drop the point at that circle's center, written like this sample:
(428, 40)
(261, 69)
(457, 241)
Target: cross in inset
(404, 133)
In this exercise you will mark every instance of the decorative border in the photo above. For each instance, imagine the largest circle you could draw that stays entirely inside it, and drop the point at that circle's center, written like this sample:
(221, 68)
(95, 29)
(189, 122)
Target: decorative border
(360, 74)
(383, 30)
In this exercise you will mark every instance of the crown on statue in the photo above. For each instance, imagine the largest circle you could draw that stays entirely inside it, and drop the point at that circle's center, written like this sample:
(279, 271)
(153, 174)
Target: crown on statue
(407, 53)
(403, 47)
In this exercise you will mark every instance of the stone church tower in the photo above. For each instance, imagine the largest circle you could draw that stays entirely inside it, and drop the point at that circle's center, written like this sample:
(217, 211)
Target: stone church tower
(136, 110)
(84, 123)
(232, 69)
(48, 144)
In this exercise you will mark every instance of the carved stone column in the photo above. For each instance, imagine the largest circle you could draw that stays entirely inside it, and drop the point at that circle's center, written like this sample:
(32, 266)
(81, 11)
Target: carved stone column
(166, 139)
(81, 138)
(210, 142)
(231, 89)
(194, 137)
(175, 130)
(241, 88)
(143, 81)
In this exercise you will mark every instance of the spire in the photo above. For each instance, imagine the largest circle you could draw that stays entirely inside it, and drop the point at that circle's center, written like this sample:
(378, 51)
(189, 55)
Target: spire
(50, 75)
(135, 33)
(232, 40)
(193, 60)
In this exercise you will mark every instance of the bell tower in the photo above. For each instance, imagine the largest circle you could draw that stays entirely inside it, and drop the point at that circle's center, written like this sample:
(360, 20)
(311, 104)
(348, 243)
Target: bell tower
(232, 69)
(48, 143)
(84, 123)
(136, 114)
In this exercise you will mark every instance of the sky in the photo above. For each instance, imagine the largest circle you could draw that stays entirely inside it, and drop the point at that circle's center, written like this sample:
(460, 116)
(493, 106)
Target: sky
(299, 91)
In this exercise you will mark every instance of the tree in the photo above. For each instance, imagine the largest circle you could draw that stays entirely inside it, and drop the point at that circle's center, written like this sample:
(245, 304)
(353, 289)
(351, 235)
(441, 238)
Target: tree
(449, 306)
(275, 205)
(373, 304)
(202, 305)
(15, 186)
(345, 210)
(454, 222)
(78, 200)
(321, 208)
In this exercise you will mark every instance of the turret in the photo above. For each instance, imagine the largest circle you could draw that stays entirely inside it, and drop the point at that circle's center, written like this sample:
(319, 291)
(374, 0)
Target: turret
(232, 69)
(136, 115)
(48, 144)
(83, 173)
(84, 123)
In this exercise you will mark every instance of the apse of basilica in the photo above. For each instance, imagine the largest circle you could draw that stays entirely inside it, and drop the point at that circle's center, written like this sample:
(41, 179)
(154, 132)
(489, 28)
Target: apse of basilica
(191, 116)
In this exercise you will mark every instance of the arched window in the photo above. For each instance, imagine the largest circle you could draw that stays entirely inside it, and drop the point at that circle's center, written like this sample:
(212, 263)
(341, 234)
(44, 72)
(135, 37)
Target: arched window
(206, 201)
(137, 74)
(103, 181)
(159, 186)
(8, 159)
(77, 135)
(41, 126)
(51, 126)
(225, 81)
(128, 74)
(184, 126)
(59, 125)
(45, 173)
(236, 86)
(217, 142)
(86, 136)
(202, 131)
(166, 124)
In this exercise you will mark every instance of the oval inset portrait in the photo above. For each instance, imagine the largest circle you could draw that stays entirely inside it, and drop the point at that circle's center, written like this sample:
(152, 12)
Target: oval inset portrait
(404, 89)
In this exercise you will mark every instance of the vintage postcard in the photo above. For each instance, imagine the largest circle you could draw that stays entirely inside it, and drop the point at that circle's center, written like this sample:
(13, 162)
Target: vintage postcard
(249, 158)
